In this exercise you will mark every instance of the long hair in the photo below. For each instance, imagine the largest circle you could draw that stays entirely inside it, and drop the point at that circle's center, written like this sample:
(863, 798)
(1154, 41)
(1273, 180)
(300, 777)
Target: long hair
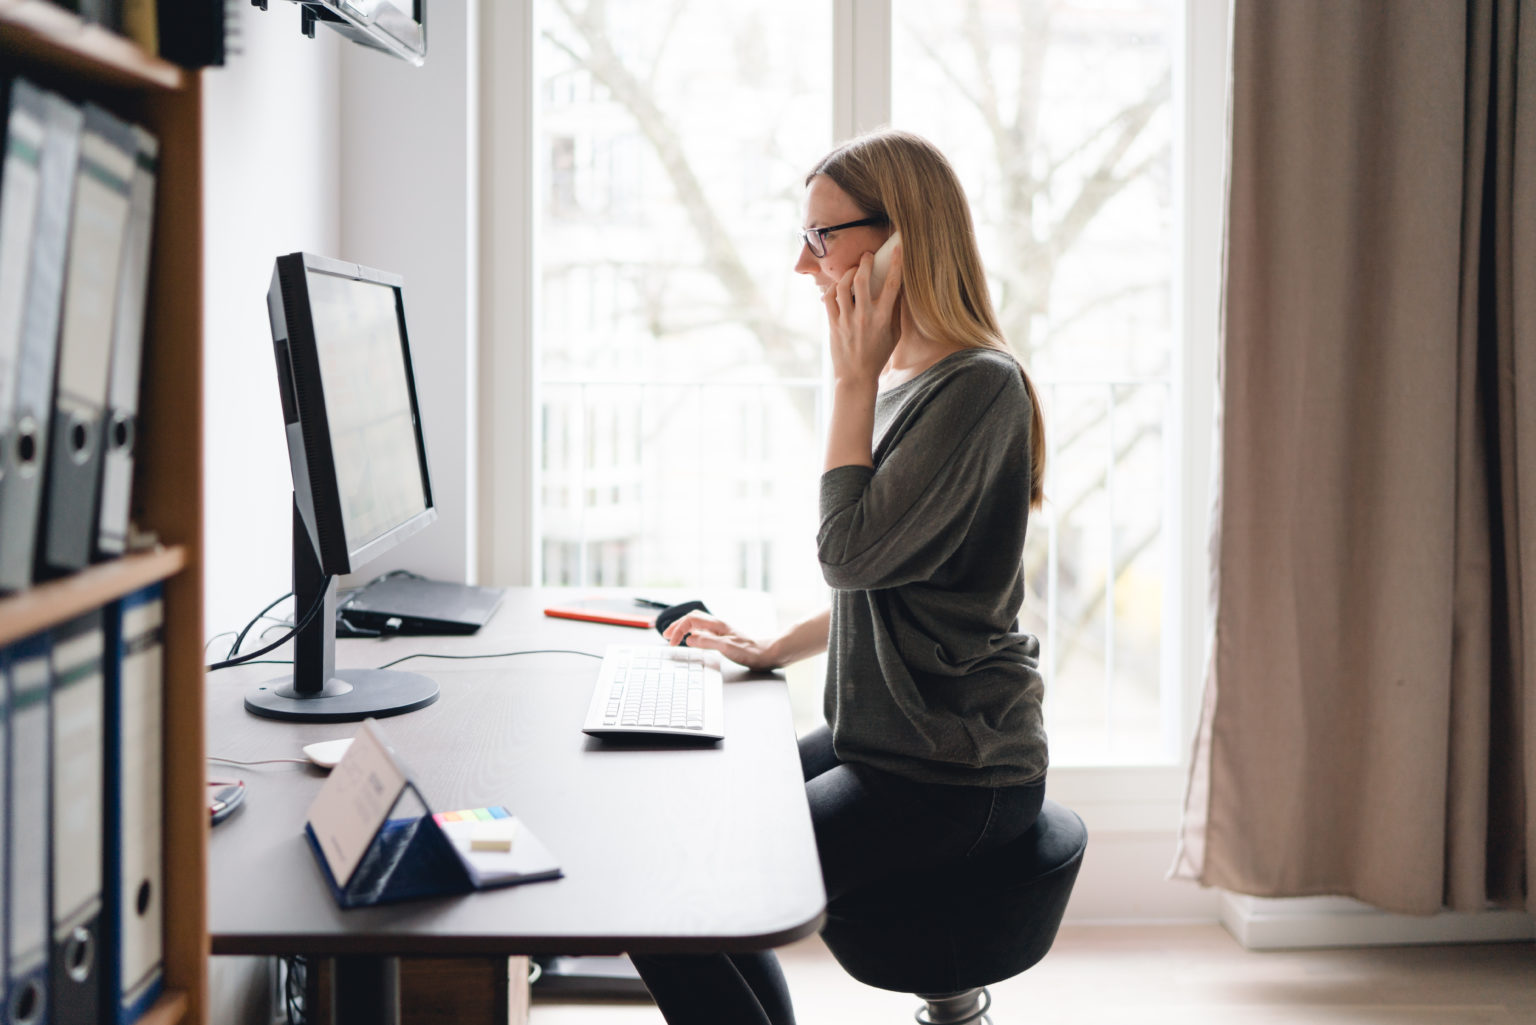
(905, 178)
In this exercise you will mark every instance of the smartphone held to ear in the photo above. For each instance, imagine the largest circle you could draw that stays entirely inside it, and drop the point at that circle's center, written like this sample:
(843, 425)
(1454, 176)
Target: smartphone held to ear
(882, 264)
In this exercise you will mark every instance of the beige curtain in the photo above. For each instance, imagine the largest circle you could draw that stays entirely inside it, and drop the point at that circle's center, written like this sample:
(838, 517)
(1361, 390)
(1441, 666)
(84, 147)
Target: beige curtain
(1369, 725)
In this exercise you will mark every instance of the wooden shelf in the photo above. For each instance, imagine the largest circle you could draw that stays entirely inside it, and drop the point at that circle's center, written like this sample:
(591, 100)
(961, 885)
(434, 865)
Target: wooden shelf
(88, 64)
(59, 39)
(170, 1009)
(27, 612)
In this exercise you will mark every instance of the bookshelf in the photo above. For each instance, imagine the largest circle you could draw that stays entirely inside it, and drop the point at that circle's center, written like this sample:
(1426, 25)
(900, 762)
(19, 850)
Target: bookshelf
(84, 62)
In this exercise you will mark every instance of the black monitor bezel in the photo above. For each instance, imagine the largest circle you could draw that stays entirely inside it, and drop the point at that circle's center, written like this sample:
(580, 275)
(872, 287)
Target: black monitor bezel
(311, 459)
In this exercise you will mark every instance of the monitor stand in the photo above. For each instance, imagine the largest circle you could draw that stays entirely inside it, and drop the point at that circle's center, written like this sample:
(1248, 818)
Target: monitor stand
(316, 691)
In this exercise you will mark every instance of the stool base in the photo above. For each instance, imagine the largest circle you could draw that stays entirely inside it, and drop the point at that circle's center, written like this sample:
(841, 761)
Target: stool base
(966, 1008)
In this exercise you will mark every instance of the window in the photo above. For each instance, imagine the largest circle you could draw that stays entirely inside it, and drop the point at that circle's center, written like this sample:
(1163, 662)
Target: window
(678, 362)
(675, 341)
(1058, 118)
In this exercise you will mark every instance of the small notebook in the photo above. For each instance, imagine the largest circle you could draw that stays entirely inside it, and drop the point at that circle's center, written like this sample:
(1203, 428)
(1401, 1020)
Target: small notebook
(377, 842)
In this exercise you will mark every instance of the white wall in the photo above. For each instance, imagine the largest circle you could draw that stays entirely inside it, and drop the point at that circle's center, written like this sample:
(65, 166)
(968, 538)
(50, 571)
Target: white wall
(270, 181)
(326, 146)
(409, 169)
(269, 187)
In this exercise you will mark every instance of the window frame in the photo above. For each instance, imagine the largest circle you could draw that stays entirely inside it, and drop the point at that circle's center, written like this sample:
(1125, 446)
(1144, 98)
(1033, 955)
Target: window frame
(1134, 798)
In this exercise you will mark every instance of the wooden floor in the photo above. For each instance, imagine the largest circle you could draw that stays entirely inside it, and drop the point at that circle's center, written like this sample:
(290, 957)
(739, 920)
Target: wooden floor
(1176, 975)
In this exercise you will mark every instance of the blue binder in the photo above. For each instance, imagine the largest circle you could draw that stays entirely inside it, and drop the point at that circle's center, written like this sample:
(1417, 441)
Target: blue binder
(133, 893)
(27, 832)
(79, 750)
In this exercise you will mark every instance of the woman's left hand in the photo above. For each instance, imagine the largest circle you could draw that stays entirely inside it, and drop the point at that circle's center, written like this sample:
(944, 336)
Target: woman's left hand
(864, 331)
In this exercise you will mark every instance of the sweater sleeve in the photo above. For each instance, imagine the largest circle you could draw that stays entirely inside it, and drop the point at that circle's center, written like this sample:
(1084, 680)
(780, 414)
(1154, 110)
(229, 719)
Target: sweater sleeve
(898, 523)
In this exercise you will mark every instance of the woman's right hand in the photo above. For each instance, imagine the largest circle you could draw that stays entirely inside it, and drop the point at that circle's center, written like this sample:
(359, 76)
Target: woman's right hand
(863, 334)
(701, 630)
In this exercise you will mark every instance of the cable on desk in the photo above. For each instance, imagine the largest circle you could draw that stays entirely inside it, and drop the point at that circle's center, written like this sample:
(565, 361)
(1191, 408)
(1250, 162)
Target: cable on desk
(233, 648)
(262, 761)
(318, 604)
(498, 654)
(225, 633)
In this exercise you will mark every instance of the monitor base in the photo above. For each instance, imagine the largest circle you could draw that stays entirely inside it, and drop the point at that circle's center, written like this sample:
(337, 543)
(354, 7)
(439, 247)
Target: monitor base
(349, 696)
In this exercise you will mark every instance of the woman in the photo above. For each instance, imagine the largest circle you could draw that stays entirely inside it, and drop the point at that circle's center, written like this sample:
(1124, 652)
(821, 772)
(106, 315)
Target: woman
(934, 750)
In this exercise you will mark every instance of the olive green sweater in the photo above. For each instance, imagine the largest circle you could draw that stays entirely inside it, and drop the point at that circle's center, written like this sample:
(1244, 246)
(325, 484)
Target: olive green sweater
(928, 676)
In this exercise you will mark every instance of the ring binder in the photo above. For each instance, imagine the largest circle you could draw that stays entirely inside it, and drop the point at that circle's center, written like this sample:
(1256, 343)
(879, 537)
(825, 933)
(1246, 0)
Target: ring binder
(121, 426)
(25, 111)
(21, 490)
(27, 833)
(77, 700)
(97, 227)
(134, 888)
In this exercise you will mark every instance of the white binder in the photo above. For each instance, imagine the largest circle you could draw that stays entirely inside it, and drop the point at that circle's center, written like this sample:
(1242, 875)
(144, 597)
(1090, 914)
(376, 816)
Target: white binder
(135, 885)
(27, 832)
(79, 751)
(32, 385)
(122, 411)
(21, 148)
(98, 226)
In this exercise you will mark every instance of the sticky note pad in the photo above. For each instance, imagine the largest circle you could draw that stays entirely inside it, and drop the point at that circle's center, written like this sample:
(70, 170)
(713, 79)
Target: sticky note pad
(494, 835)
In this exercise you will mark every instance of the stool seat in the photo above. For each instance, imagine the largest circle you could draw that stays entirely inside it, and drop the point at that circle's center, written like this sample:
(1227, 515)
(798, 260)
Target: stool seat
(966, 925)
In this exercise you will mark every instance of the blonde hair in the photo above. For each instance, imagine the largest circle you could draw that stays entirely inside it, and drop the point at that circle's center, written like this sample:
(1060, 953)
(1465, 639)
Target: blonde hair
(905, 178)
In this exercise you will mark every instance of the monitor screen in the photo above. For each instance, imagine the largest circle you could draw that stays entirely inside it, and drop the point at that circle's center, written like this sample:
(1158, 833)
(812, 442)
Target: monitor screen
(349, 401)
(368, 406)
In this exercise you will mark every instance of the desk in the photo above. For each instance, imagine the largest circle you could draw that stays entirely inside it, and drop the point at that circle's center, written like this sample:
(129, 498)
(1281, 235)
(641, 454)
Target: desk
(664, 848)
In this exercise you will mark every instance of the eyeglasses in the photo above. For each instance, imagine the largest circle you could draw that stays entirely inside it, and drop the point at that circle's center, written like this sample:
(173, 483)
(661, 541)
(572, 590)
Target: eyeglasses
(816, 238)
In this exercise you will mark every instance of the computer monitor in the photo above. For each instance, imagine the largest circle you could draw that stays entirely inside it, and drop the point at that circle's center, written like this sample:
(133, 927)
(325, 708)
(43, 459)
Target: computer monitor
(359, 462)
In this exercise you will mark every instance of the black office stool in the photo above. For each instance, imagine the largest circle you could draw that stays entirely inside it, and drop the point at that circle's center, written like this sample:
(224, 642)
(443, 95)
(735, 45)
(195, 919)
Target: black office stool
(947, 934)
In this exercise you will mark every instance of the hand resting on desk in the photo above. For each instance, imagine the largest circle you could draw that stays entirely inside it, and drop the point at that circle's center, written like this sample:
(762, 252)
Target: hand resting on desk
(702, 630)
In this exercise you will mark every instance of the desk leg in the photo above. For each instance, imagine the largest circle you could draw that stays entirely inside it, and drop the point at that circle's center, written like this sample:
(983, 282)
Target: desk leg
(366, 991)
(464, 991)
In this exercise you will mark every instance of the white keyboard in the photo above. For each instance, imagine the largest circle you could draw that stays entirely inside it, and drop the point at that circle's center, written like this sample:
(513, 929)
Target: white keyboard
(657, 689)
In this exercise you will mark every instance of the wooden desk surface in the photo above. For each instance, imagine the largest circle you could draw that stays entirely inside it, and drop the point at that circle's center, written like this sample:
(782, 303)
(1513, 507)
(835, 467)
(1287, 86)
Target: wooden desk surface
(664, 848)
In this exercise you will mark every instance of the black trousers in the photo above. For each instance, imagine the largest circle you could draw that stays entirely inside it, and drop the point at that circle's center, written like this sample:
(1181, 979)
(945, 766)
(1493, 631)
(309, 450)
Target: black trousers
(870, 826)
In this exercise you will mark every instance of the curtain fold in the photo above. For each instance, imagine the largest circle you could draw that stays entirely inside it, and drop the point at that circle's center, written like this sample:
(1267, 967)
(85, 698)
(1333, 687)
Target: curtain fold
(1369, 727)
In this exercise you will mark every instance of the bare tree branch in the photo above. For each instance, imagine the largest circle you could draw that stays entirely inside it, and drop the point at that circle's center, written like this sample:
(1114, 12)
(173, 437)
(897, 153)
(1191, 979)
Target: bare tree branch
(786, 350)
(674, 17)
(1104, 183)
(985, 105)
(1097, 304)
